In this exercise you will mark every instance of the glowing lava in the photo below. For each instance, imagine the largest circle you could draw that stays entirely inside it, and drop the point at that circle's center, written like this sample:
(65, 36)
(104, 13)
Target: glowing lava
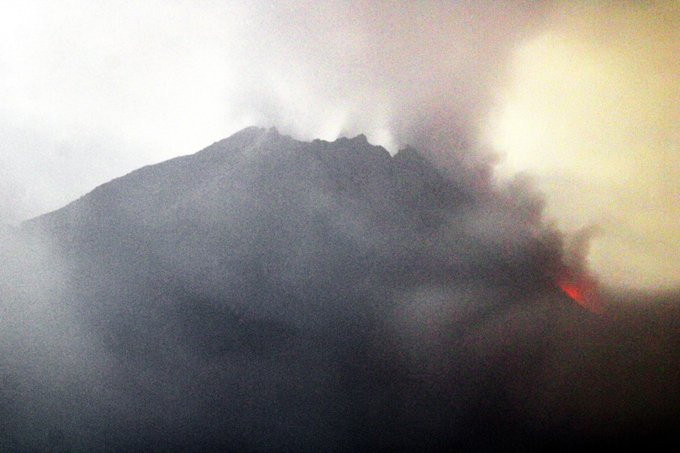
(582, 290)
(574, 292)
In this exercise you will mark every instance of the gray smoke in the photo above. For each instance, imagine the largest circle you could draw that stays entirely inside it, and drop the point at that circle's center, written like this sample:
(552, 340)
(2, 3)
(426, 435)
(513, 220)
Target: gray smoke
(91, 93)
(268, 293)
(419, 74)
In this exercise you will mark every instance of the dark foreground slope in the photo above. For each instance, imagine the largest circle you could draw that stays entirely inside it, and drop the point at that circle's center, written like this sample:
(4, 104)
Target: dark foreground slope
(271, 294)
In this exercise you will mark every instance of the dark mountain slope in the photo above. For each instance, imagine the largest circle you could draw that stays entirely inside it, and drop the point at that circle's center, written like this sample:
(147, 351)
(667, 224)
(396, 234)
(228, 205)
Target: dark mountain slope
(272, 294)
(260, 219)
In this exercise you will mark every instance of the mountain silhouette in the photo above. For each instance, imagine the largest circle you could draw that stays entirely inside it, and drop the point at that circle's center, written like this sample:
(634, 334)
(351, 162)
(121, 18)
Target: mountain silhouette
(267, 293)
(310, 234)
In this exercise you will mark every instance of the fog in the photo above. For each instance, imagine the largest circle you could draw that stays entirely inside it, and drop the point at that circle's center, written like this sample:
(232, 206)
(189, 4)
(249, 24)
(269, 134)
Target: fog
(270, 293)
(591, 113)
(94, 90)
(267, 293)
(581, 96)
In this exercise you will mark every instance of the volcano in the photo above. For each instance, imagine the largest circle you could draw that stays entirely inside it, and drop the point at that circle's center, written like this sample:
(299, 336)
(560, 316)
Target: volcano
(267, 293)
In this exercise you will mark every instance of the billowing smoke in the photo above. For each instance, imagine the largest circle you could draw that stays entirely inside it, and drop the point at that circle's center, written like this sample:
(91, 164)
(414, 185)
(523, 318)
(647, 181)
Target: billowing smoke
(269, 293)
(581, 95)
(419, 74)
(591, 112)
(142, 84)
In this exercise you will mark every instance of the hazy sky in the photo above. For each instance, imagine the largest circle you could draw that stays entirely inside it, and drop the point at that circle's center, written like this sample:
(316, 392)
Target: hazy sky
(582, 95)
(594, 112)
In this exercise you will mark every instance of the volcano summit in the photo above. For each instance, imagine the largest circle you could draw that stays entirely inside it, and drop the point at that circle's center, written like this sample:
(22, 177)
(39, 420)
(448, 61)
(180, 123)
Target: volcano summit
(271, 294)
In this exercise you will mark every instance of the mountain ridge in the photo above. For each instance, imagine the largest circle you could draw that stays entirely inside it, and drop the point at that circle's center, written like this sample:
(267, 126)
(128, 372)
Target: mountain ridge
(267, 293)
(343, 214)
(246, 140)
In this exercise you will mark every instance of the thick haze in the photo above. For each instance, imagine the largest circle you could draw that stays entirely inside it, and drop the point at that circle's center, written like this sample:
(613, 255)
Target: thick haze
(273, 292)
(268, 294)
(593, 112)
(584, 97)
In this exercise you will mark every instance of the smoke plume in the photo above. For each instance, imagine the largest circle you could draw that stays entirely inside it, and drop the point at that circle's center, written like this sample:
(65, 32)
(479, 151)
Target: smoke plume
(270, 293)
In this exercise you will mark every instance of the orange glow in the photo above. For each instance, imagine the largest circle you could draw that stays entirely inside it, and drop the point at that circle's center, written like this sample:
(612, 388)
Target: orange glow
(574, 292)
(582, 290)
